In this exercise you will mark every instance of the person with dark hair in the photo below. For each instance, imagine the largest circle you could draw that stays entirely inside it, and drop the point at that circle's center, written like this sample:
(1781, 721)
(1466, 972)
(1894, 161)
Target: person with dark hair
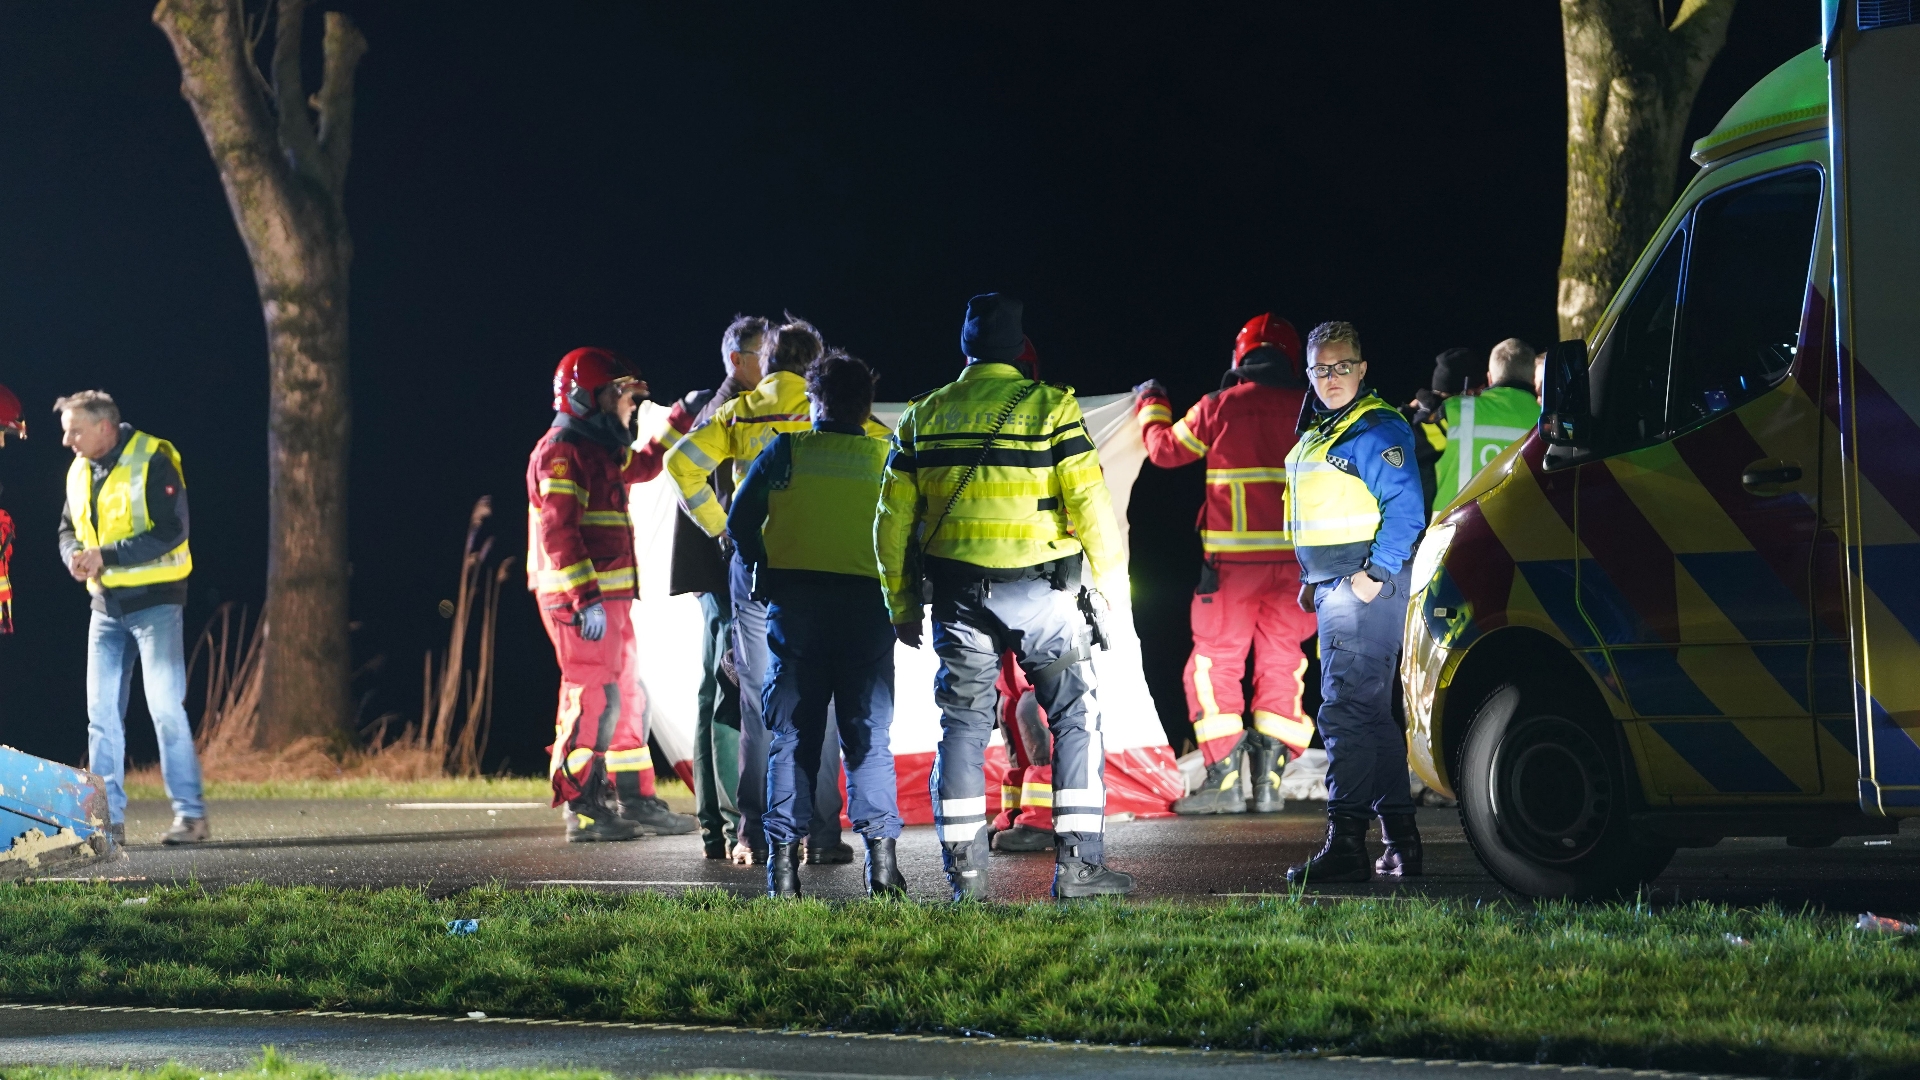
(1354, 511)
(1427, 413)
(737, 432)
(996, 480)
(803, 520)
(1485, 419)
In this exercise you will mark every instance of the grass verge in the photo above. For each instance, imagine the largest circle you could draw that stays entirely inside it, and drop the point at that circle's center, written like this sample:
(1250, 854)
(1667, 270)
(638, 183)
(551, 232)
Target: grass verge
(1693, 987)
(273, 1065)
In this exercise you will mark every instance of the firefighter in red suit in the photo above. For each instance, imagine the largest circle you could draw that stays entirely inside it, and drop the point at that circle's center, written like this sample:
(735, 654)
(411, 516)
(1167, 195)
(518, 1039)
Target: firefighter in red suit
(12, 422)
(1248, 587)
(583, 572)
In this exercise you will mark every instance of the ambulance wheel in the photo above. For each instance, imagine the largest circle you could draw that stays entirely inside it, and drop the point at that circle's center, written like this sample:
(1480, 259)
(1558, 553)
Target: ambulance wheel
(1545, 797)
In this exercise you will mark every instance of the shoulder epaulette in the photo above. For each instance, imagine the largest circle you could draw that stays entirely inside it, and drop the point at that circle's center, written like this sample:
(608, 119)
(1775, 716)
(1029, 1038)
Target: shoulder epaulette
(1062, 387)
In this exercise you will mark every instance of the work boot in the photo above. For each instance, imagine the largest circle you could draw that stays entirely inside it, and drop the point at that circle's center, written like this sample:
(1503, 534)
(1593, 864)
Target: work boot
(1075, 878)
(1266, 756)
(823, 855)
(186, 830)
(717, 849)
(1023, 838)
(650, 815)
(1343, 858)
(783, 870)
(118, 830)
(590, 824)
(1219, 793)
(967, 868)
(1404, 856)
(883, 872)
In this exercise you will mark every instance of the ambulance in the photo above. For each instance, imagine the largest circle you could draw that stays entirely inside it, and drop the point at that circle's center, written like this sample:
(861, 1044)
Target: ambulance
(1687, 606)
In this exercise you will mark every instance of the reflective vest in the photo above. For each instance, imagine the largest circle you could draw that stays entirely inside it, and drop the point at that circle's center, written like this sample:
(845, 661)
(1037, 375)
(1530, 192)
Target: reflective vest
(122, 508)
(1037, 496)
(823, 518)
(1327, 505)
(1479, 427)
(737, 432)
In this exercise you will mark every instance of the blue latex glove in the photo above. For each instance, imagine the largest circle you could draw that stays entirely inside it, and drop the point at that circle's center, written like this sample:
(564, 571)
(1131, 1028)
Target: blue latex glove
(1151, 387)
(592, 623)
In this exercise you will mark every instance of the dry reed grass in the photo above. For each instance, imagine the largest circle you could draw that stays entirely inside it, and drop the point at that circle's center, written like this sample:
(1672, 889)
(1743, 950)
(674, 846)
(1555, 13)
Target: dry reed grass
(456, 712)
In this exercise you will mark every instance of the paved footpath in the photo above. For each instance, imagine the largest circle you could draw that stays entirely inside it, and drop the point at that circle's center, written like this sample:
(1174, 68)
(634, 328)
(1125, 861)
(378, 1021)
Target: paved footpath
(450, 846)
(367, 1046)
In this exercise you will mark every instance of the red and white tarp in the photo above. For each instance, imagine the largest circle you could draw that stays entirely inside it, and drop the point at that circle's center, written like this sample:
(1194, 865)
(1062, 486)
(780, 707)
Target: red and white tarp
(1142, 778)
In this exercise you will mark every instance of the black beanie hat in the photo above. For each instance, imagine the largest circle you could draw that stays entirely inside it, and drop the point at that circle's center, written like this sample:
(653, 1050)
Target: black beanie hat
(992, 330)
(1454, 372)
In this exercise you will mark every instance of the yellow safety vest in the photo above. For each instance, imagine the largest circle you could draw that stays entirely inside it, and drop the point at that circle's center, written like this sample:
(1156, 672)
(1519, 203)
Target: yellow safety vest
(122, 506)
(823, 518)
(1038, 495)
(737, 432)
(1325, 504)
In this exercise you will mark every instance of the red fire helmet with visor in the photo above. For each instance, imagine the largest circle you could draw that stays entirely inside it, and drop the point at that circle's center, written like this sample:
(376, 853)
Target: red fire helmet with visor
(13, 420)
(582, 374)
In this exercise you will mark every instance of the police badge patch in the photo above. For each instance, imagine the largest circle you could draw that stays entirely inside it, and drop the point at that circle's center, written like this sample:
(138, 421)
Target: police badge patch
(1394, 456)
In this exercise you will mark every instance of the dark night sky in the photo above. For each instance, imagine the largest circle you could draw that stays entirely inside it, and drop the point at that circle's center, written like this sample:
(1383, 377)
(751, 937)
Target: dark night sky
(592, 173)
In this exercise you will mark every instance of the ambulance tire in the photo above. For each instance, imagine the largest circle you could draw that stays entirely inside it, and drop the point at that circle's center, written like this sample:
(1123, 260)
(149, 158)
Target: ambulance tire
(1546, 798)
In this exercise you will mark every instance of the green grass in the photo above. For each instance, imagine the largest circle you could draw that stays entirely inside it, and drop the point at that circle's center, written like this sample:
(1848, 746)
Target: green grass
(468, 789)
(273, 1065)
(1604, 985)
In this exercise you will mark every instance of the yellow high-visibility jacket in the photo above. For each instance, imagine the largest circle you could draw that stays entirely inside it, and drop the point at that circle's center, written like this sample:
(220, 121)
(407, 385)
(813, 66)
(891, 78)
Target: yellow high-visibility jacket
(121, 509)
(1039, 496)
(738, 431)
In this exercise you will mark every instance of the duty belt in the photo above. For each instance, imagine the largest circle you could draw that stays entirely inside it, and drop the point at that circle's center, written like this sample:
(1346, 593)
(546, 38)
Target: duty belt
(1063, 573)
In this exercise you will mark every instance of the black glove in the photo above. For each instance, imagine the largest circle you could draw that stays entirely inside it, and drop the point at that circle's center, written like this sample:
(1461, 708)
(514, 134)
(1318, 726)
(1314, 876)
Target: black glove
(1306, 598)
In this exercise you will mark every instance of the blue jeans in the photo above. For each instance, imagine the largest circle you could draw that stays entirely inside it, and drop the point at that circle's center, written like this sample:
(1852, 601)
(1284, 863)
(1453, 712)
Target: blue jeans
(111, 644)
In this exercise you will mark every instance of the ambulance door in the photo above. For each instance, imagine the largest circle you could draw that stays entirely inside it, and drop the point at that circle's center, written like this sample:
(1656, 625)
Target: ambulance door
(1874, 53)
(1697, 534)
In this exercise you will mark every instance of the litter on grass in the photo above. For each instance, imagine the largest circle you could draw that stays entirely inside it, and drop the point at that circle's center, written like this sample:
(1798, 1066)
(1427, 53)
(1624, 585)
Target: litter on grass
(476, 1015)
(135, 900)
(1878, 925)
(1737, 941)
(462, 927)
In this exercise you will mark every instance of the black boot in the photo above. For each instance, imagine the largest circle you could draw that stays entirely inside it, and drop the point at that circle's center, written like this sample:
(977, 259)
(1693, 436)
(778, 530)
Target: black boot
(1266, 756)
(967, 868)
(1404, 856)
(883, 873)
(648, 813)
(783, 870)
(1023, 838)
(1075, 877)
(1342, 859)
(1219, 793)
(589, 823)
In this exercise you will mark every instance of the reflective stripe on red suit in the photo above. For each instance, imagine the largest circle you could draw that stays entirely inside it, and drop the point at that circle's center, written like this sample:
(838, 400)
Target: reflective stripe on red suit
(1244, 433)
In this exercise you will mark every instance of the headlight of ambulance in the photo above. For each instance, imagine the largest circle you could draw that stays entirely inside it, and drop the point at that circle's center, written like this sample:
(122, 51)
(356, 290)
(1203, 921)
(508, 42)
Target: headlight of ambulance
(1426, 559)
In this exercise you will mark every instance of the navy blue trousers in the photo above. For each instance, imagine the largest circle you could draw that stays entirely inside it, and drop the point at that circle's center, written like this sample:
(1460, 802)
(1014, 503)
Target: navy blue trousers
(831, 642)
(1359, 654)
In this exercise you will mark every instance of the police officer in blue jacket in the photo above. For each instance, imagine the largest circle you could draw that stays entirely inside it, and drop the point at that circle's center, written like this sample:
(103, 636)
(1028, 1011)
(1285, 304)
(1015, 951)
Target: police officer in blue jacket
(1355, 509)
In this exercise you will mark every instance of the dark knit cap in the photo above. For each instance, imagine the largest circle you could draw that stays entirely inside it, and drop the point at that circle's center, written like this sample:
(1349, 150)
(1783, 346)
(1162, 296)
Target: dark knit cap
(1455, 372)
(992, 330)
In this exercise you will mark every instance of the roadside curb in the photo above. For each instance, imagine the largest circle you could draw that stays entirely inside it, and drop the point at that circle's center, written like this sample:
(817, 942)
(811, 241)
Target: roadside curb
(1248, 1056)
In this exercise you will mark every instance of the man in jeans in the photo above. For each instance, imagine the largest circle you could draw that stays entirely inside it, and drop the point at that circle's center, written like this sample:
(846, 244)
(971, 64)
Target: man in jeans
(124, 534)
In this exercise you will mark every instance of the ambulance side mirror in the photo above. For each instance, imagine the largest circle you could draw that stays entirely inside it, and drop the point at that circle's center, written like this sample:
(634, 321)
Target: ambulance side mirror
(1566, 412)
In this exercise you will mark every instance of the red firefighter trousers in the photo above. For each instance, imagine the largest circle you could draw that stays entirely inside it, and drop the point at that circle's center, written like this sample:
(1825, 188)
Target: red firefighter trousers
(601, 727)
(1256, 607)
(1026, 795)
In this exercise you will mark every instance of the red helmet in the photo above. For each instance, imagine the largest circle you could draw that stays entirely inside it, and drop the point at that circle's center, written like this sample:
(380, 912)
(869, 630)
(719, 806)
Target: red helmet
(581, 375)
(12, 420)
(1268, 330)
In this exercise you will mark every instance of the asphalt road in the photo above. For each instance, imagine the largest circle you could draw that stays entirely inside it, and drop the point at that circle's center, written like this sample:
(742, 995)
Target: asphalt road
(378, 844)
(369, 1046)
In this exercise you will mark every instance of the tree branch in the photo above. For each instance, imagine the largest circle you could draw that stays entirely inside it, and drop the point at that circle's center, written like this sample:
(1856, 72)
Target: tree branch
(344, 45)
(290, 97)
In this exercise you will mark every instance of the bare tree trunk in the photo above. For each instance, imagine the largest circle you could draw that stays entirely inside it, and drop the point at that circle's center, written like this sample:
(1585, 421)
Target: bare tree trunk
(1631, 80)
(282, 158)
